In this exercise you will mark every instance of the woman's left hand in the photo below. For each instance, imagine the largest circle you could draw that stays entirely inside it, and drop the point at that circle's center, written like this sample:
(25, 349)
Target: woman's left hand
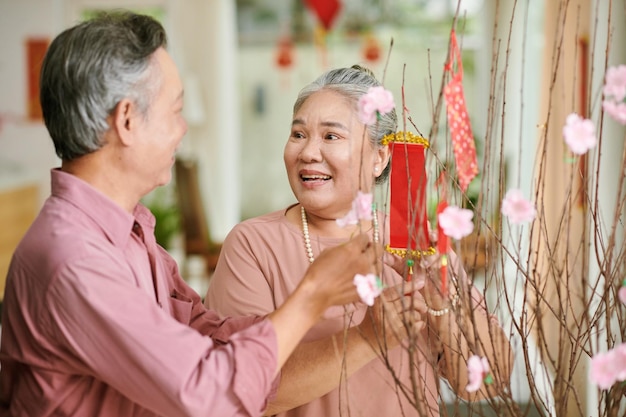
(425, 275)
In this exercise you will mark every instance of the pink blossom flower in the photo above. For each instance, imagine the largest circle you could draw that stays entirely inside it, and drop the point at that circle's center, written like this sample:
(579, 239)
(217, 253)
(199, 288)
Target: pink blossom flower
(609, 367)
(377, 100)
(516, 208)
(456, 222)
(616, 110)
(348, 219)
(362, 205)
(361, 210)
(478, 370)
(603, 371)
(615, 83)
(614, 90)
(579, 134)
(620, 362)
(369, 287)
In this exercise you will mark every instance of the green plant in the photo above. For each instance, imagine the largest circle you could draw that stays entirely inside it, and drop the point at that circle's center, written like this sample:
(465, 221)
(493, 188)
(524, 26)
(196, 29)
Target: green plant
(162, 204)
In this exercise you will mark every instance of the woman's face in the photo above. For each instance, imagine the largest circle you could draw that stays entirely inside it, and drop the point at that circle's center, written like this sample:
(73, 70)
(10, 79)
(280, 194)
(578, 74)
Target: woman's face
(329, 156)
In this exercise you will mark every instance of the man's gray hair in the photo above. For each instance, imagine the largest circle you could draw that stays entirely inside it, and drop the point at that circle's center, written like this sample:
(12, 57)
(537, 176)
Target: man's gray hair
(88, 69)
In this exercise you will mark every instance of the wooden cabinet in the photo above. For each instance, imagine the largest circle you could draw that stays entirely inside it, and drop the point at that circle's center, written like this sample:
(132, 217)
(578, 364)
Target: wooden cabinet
(18, 208)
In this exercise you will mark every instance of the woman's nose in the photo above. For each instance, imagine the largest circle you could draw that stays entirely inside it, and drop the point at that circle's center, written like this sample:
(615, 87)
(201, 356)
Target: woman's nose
(311, 151)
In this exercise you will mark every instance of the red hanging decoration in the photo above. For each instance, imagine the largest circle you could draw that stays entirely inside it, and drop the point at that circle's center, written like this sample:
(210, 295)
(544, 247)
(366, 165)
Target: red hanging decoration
(284, 58)
(371, 50)
(325, 10)
(284, 53)
(408, 228)
(443, 241)
(458, 120)
(35, 51)
(443, 246)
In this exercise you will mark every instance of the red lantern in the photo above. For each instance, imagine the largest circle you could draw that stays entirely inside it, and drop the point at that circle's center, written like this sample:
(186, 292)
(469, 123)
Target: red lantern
(325, 10)
(371, 50)
(284, 55)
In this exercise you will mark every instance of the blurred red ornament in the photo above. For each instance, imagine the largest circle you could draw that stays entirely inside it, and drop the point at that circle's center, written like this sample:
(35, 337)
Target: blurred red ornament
(284, 55)
(325, 10)
(371, 50)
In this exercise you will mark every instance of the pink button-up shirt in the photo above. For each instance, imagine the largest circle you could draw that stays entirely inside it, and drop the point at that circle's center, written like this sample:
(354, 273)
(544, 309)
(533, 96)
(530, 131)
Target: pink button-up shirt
(97, 321)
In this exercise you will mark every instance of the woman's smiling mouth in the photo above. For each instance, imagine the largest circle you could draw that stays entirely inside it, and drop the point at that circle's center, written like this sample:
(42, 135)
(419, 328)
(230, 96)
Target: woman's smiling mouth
(307, 178)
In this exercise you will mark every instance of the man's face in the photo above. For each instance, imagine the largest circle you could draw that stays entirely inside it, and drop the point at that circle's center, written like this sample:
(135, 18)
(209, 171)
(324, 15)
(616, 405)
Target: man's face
(163, 127)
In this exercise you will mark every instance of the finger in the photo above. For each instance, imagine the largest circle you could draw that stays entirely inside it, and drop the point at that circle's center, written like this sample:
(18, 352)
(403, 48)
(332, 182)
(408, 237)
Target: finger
(430, 261)
(362, 241)
(404, 306)
(375, 257)
(394, 261)
(419, 303)
(410, 324)
(357, 244)
(396, 292)
(410, 287)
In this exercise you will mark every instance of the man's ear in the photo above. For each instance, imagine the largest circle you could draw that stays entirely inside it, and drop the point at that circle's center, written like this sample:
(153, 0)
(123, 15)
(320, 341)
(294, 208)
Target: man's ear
(123, 120)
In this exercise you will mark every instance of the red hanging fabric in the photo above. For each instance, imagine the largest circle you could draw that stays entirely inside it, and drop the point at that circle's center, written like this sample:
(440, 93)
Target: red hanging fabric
(443, 246)
(458, 119)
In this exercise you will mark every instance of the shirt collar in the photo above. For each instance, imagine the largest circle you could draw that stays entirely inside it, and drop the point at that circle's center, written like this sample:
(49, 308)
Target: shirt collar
(115, 222)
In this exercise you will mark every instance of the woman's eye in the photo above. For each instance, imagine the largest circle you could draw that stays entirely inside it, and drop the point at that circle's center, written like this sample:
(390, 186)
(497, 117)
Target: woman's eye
(331, 136)
(297, 135)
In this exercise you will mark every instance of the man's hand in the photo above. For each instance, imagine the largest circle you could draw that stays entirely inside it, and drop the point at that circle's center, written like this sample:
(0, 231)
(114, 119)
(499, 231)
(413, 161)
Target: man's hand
(330, 279)
(327, 282)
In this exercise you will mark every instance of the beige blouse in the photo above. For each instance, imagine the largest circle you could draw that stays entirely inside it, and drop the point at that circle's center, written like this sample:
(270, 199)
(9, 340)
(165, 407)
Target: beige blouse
(261, 263)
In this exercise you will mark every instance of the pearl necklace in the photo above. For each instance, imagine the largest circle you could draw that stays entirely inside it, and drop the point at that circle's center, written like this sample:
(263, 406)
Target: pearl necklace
(307, 239)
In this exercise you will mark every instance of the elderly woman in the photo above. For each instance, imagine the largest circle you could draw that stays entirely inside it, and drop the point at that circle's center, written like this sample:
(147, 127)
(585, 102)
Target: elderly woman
(344, 363)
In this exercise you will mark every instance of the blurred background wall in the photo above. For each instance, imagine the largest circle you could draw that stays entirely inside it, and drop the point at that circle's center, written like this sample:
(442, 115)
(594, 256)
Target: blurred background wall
(242, 79)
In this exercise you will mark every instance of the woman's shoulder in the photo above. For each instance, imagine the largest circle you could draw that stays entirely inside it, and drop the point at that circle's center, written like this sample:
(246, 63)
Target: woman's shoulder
(273, 223)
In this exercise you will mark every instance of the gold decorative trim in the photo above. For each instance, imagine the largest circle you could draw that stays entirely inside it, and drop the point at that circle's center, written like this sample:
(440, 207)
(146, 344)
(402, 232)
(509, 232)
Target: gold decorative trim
(413, 253)
(407, 137)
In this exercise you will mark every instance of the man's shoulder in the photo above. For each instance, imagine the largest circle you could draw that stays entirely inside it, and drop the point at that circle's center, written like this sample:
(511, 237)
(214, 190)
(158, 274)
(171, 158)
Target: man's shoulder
(56, 236)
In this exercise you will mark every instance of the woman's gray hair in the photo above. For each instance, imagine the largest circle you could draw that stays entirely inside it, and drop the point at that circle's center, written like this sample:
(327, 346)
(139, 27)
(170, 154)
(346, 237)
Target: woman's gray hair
(353, 83)
(85, 74)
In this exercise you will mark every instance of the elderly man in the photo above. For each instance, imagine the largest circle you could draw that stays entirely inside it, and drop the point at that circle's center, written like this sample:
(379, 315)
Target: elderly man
(96, 318)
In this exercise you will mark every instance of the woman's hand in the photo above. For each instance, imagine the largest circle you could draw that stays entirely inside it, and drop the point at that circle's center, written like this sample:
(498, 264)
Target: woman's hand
(398, 314)
(425, 274)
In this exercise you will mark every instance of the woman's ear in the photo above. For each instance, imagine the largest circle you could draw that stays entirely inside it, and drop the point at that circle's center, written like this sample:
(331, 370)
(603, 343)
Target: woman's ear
(381, 160)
